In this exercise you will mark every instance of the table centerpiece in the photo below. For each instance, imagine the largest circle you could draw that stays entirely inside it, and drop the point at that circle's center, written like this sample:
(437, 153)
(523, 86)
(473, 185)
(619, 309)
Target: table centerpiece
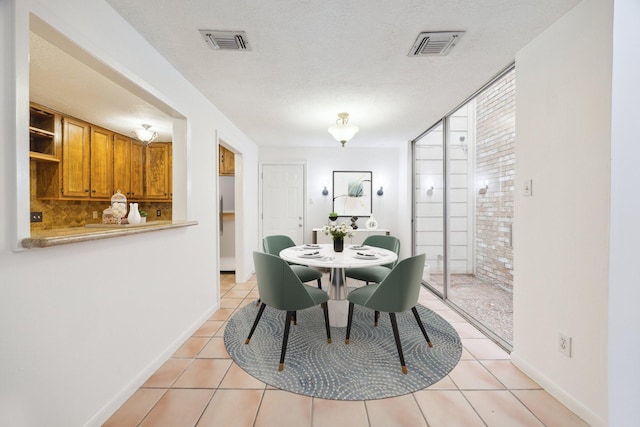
(338, 233)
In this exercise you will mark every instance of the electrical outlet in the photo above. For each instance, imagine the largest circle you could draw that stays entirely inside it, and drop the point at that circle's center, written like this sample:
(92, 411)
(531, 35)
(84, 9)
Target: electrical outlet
(528, 188)
(95, 214)
(36, 216)
(158, 212)
(564, 344)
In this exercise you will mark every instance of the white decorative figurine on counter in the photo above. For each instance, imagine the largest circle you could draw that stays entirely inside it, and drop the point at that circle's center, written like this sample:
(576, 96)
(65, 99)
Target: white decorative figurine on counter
(134, 215)
(371, 223)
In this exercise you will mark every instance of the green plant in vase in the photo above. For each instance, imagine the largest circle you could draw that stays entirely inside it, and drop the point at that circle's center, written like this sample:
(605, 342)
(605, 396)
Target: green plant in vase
(143, 216)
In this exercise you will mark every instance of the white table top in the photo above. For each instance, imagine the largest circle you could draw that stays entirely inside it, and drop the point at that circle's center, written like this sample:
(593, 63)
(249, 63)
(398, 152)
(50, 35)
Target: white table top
(330, 259)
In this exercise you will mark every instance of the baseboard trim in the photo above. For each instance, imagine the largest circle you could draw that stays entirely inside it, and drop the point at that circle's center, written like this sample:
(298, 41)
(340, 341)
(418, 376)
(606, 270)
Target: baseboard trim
(558, 392)
(127, 391)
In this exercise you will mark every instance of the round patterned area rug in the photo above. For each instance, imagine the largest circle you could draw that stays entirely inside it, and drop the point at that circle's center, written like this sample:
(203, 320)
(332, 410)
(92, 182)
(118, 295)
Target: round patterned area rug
(367, 368)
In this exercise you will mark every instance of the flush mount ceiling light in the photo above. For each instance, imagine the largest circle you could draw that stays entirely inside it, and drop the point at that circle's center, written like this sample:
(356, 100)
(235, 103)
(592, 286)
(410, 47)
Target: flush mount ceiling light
(342, 131)
(144, 134)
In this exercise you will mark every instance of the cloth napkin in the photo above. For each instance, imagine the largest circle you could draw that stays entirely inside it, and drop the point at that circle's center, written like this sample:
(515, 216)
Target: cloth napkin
(365, 254)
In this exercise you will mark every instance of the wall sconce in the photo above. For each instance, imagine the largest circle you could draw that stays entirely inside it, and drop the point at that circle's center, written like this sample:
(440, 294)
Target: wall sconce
(483, 190)
(380, 192)
(463, 144)
(325, 192)
(144, 134)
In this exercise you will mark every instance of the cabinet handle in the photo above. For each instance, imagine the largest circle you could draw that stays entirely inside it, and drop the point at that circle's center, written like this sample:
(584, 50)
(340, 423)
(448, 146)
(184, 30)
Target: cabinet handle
(86, 190)
(93, 191)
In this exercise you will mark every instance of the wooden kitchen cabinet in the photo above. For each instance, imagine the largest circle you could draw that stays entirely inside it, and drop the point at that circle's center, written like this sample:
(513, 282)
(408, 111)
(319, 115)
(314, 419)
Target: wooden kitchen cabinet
(158, 171)
(44, 134)
(44, 148)
(76, 181)
(101, 166)
(75, 160)
(227, 161)
(137, 169)
(128, 166)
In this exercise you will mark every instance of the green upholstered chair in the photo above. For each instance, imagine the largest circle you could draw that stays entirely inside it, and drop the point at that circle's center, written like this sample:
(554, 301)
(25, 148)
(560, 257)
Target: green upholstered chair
(274, 244)
(376, 273)
(396, 293)
(280, 288)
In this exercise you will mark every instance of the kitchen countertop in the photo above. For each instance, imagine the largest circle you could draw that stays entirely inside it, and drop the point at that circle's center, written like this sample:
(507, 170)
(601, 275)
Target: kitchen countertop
(64, 236)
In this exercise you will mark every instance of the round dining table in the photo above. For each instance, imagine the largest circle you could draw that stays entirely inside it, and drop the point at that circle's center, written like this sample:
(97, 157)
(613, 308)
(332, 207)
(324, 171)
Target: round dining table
(323, 256)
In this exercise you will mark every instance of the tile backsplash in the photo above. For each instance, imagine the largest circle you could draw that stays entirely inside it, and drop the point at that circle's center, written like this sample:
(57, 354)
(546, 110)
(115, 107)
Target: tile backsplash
(78, 213)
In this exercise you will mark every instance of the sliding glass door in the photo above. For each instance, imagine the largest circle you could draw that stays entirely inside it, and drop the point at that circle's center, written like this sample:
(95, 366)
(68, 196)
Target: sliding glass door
(463, 207)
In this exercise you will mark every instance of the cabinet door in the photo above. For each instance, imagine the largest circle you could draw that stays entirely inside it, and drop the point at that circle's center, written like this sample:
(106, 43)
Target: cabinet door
(101, 163)
(170, 169)
(122, 164)
(157, 171)
(227, 161)
(75, 158)
(137, 168)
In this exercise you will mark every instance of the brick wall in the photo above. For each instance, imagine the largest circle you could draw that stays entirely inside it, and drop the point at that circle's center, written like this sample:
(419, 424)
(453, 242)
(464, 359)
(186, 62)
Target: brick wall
(495, 163)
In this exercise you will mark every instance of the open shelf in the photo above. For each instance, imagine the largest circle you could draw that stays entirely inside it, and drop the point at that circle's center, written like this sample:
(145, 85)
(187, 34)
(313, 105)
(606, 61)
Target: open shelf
(42, 132)
(41, 157)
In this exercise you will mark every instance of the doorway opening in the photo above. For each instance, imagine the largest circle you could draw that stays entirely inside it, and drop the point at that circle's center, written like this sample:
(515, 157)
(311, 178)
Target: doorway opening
(227, 207)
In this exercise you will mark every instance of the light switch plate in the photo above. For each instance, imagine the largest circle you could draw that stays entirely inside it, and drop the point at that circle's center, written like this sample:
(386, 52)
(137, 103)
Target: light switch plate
(528, 188)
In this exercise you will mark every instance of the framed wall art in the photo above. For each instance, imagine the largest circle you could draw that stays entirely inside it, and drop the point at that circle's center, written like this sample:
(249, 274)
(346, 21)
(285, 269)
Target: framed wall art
(352, 193)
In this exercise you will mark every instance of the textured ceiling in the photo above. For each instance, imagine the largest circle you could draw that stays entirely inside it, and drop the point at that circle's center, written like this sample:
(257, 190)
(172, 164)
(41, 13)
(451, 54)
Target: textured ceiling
(310, 60)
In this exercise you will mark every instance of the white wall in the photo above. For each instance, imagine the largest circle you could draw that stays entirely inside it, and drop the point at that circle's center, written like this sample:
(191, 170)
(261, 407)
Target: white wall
(389, 170)
(624, 292)
(83, 325)
(562, 232)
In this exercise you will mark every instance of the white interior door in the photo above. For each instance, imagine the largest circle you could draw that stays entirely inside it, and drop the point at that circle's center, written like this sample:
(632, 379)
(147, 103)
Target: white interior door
(283, 201)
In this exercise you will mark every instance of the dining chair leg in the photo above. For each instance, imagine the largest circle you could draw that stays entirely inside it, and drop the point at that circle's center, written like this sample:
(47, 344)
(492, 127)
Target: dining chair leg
(325, 308)
(320, 284)
(396, 335)
(349, 320)
(294, 318)
(285, 337)
(424, 331)
(258, 302)
(376, 317)
(255, 322)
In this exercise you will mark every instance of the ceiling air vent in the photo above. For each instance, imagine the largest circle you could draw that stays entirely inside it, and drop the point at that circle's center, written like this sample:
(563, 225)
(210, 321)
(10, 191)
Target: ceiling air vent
(435, 43)
(226, 40)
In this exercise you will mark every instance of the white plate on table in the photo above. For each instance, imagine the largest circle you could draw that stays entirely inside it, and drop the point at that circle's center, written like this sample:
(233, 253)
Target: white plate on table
(359, 247)
(360, 255)
(311, 255)
(311, 246)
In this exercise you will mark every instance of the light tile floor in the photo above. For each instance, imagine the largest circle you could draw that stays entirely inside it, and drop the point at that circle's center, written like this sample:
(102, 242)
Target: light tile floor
(201, 386)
